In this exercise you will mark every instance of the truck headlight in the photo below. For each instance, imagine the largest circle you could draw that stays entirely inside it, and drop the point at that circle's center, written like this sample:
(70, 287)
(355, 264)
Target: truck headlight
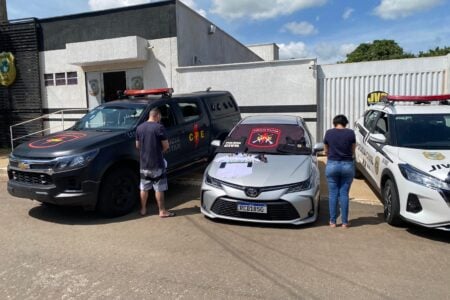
(75, 161)
(419, 177)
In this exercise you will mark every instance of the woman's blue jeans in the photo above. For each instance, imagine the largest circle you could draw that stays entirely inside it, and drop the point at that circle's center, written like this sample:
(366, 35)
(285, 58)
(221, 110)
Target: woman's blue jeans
(339, 176)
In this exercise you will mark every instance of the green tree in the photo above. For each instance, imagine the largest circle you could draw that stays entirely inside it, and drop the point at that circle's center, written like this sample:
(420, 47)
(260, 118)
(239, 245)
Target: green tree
(378, 50)
(435, 52)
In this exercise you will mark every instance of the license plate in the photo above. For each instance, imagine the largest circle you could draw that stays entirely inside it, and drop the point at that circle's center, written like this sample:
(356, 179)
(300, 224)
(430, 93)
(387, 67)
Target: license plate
(258, 208)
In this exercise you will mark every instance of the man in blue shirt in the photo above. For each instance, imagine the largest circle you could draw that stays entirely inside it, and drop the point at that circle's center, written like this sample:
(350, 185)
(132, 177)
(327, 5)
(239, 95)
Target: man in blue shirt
(152, 142)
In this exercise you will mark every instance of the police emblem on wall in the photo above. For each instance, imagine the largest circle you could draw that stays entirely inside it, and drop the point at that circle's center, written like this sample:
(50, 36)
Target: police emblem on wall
(7, 69)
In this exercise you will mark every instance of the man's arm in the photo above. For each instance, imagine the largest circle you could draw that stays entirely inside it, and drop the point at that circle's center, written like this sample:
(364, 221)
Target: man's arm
(137, 145)
(165, 146)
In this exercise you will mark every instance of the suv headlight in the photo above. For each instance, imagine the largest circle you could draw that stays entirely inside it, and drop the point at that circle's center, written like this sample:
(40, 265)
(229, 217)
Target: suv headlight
(75, 161)
(419, 177)
(301, 186)
(213, 182)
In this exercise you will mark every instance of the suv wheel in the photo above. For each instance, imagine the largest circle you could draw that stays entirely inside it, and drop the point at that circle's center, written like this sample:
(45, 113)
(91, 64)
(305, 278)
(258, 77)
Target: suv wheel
(118, 193)
(391, 203)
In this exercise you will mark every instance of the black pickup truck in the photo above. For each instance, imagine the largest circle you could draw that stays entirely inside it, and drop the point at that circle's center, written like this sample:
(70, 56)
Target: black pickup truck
(95, 164)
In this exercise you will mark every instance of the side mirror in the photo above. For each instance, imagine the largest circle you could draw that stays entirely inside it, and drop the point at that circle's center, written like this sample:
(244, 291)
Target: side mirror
(216, 143)
(378, 138)
(318, 147)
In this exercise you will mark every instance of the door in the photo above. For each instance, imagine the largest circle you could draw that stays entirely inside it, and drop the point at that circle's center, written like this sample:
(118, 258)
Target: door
(113, 82)
(367, 150)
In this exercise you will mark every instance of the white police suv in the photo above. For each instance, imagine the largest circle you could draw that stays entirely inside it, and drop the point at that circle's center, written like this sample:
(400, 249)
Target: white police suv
(403, 149)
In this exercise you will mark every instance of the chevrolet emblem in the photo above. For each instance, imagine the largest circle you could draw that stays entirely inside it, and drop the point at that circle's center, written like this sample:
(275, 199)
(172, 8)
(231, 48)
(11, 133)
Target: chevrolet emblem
(23, 166)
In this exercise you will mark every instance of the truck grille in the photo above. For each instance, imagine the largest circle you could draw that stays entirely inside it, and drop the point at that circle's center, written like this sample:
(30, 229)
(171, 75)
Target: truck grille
(279, 210)
(32, 178)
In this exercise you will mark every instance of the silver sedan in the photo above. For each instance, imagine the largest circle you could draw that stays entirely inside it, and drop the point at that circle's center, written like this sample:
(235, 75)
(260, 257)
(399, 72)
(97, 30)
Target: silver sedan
(265, 171)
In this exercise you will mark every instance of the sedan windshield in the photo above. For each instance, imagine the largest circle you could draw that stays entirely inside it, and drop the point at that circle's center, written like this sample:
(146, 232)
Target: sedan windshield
(423, 131)
(268, 138)
(110, 118)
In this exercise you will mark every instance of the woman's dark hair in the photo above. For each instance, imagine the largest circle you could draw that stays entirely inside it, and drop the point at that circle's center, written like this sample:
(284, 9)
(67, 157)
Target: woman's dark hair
(340, 120)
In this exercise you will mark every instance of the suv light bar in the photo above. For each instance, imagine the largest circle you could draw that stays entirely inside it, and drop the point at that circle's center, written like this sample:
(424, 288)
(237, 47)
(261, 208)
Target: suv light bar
(162, 91)
(418, 98)
(380, 96)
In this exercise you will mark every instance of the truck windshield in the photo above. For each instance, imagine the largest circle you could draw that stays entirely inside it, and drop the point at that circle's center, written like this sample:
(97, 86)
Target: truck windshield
(268, 138)
(110, 118)
(425, 131)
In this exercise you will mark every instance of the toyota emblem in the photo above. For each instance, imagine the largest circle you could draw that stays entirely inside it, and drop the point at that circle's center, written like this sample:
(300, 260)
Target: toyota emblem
(252, 192)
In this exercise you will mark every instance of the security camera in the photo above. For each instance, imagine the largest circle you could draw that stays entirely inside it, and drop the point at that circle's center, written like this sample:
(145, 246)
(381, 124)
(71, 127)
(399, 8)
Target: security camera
(312, 64)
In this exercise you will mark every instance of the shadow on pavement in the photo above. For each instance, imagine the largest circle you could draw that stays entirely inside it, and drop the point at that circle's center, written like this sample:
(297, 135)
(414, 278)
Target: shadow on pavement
(429, 233)
(176, 195)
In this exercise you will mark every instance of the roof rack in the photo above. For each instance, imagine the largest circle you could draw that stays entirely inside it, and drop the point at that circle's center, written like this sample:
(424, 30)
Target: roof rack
(161, 91)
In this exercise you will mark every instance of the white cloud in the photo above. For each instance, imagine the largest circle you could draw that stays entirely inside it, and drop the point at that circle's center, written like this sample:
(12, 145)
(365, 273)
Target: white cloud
(105, 4)
(260, 9)
(293, 50)
(194, 6)
(393, 9)
(302, 28)
(347, 13)
(331, 53)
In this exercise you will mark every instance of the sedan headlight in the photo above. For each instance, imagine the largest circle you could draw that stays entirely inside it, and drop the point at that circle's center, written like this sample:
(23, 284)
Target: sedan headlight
(301, 186)
(419, 177)
(75, 161)
(213, 182)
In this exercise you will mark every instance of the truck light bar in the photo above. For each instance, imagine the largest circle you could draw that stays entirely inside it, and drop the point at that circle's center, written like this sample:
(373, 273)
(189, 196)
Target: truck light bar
(161, 91)
(418, 98)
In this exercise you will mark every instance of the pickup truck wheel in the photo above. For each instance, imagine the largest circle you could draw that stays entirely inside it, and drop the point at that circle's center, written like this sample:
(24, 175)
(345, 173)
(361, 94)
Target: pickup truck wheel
(118, 193)
(391, 203)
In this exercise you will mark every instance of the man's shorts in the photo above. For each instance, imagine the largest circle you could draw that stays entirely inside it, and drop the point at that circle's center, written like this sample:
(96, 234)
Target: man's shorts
(155, 179)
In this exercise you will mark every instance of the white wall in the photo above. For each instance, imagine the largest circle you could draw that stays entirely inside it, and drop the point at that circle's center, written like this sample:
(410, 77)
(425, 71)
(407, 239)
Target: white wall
(259, 84)
(343, 88)
(198, 46)
(267, 52)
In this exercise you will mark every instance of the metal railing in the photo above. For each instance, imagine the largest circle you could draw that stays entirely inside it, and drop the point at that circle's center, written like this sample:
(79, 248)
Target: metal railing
(61, 125)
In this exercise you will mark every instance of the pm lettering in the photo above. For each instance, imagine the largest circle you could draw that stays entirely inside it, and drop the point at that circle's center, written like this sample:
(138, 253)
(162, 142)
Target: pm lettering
(439, 167)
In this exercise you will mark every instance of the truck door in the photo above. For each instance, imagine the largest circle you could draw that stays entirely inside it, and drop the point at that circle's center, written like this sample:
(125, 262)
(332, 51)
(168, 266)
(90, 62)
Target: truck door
(175, 132)
(193, 117)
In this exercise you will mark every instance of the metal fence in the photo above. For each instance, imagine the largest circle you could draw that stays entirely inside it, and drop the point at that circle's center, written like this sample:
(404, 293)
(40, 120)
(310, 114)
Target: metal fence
(343, 88)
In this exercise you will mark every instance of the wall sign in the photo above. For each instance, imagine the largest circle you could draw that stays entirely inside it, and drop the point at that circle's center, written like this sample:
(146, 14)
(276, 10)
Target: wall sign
(7, 69)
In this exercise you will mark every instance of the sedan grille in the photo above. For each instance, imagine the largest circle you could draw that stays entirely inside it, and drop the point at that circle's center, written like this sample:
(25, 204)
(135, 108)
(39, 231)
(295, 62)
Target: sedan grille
(32, 178)
(279, 210)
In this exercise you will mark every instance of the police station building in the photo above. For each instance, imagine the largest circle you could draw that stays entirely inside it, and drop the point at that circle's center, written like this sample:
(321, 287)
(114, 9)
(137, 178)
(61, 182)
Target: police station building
(77, 62)
(80, 61)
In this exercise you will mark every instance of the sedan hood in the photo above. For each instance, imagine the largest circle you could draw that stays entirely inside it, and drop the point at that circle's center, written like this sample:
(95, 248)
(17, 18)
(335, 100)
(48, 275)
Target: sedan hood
(433, 162)
(65, 143)
(257, 171)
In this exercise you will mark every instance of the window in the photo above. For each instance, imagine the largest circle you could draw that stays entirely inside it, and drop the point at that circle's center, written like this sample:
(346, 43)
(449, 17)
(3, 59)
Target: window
(72, 78)
(167, 117)
(60, 78)
(49, 79)
(382, 125)
(190, 111)
(370, 118)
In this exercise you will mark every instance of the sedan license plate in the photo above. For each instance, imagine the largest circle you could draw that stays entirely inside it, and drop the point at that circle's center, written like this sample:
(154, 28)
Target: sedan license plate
(258, 208)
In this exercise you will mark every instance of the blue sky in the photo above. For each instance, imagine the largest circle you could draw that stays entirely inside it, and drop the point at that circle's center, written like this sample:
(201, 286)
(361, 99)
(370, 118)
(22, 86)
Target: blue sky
(326, 29)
